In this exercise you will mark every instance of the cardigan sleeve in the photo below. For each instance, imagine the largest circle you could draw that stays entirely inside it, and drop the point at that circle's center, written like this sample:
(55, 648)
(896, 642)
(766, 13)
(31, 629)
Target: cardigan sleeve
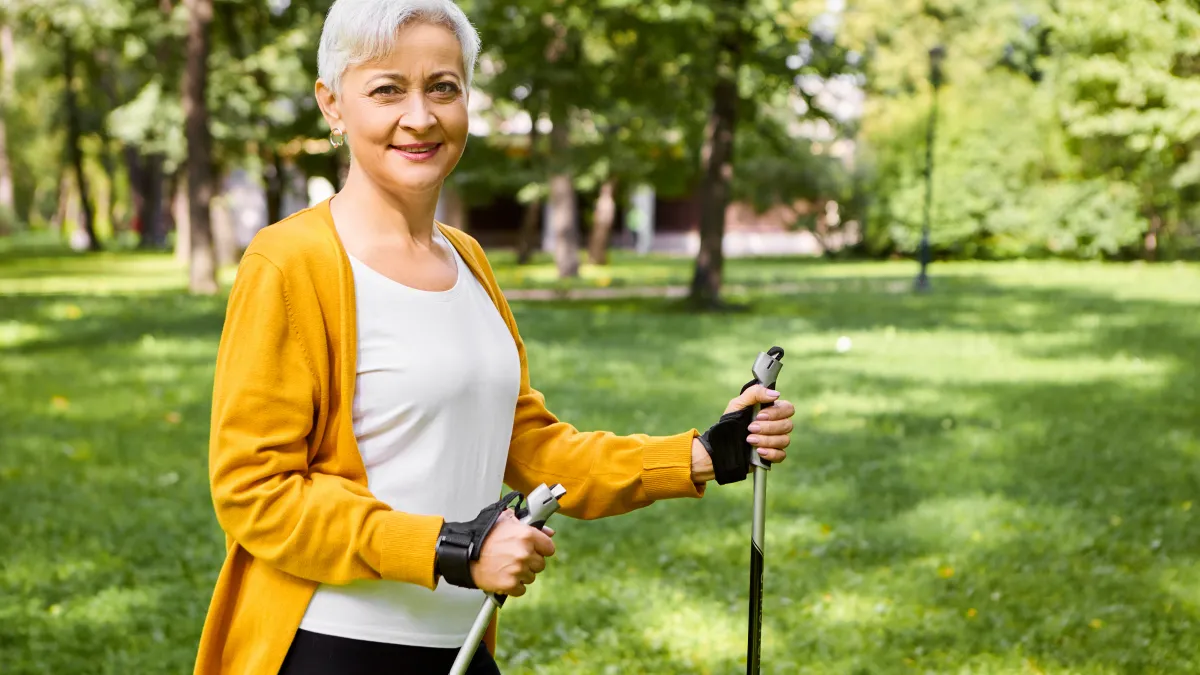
(309, 524)
(605, 474)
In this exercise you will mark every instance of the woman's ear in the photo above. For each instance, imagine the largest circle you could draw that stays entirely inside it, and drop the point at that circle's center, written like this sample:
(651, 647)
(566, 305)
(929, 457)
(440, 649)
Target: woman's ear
(328, 102)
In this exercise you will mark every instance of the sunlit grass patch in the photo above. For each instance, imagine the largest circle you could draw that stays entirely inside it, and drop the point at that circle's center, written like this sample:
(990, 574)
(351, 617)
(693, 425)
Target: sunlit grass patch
(997, 477)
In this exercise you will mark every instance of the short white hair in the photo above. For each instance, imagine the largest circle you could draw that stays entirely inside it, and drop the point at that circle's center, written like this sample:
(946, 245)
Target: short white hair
(360, 31)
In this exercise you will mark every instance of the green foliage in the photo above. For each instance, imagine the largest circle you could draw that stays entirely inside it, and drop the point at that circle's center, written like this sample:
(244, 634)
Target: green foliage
(1004, 183)
(1067, 128)
(964, 489)
(1130, 73)
(774, 168)
(637, 79)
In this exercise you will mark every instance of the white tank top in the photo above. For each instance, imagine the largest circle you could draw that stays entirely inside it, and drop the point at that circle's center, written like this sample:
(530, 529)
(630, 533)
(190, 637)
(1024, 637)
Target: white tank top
(437, 384)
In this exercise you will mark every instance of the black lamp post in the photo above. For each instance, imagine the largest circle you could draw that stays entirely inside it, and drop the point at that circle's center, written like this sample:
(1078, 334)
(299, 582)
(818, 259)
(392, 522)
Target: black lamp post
(935, 76)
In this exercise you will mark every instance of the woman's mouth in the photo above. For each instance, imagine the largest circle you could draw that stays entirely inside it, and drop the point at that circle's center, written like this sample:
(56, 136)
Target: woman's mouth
(417, 152)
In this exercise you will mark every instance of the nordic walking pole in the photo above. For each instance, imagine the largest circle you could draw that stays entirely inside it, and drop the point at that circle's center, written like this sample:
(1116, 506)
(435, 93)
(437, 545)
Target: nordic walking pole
(540, 505)
(766, 372)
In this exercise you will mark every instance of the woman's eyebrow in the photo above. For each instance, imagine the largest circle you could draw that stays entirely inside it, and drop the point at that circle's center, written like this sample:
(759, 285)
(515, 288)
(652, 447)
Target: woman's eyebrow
(401, 78)
(444, 73)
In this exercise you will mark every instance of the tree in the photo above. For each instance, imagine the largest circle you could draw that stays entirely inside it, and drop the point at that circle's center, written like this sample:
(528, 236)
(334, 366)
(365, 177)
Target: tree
(1129, 80)
(74, 134)
(8, 70)
(753, 43)
(65, 31)
(716, 157)
(203, 264)
(607, 93)
(602, 222)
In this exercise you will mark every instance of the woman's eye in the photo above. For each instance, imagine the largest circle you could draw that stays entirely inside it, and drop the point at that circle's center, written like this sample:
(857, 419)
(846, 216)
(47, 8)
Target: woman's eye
(445, 88)
(386, 90)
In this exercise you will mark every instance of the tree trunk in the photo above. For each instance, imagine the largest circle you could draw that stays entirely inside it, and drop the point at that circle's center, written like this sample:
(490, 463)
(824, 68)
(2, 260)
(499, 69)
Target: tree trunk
(454, 208)
(74, 132)
(1150, 241)
(202, 256)
(8, 73)
(224, 231)
(717, 161)
(61, 211)
(273, 178)
(104, 60)
(527, 237)
(150, 184)
(152, 214)
(135, 167)
(564, 231)
(178, 208)
(602, 223)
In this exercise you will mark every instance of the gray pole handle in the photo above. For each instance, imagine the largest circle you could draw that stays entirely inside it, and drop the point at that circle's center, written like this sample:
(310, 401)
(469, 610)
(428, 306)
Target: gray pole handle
(540, 505)
(766, 371)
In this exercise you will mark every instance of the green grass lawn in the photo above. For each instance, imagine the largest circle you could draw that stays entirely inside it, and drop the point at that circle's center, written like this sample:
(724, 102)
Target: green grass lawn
(999, 477)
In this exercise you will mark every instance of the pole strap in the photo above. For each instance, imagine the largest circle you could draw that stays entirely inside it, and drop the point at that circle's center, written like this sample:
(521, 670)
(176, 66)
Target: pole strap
(459, 544)
(726, 443)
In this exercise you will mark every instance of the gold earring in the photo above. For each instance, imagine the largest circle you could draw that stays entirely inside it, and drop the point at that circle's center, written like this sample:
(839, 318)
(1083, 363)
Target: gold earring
(337, 137)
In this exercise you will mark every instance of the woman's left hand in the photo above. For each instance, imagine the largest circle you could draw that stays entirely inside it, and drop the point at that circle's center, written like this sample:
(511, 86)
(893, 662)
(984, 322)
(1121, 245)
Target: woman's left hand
(771, 431)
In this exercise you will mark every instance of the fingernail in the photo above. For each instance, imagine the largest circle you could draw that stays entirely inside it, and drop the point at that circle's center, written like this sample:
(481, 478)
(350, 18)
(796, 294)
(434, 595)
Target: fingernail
(762, 453)
(762, 416)
(754, 428)
(752, 440)
(772, 393)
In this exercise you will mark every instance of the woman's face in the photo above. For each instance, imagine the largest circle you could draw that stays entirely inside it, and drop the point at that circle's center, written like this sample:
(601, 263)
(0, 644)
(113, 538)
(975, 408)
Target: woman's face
(405, 116)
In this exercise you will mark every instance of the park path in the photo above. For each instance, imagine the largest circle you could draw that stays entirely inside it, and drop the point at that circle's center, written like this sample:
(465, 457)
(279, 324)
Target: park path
(627, 292)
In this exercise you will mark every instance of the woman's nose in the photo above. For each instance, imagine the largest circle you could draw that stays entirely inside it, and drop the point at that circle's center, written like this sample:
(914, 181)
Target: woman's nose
(417, 116)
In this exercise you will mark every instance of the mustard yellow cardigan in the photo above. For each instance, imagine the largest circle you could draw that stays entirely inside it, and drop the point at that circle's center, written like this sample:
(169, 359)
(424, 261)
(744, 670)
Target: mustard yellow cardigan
(288, 484)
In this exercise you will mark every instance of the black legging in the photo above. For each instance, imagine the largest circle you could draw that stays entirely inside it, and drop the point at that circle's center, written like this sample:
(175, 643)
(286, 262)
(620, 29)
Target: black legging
(317, 654)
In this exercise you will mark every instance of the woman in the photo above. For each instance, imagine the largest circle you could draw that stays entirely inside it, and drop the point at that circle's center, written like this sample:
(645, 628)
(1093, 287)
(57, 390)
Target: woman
(372, 395)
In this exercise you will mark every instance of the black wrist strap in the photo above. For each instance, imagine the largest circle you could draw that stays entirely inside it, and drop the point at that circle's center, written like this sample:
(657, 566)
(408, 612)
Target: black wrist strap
(726, 444)
(460, 543)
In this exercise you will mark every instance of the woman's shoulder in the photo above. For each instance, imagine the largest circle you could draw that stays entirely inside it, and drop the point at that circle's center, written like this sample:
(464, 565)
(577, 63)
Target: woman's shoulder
(300, 241)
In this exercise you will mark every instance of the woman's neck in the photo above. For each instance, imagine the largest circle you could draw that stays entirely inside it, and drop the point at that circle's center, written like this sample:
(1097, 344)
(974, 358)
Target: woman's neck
(377, 213)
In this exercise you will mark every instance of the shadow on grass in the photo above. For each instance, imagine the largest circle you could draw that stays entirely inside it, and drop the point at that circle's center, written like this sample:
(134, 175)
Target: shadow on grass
(82, 321)
(930, 553)
(1022, 520)
(935, 512)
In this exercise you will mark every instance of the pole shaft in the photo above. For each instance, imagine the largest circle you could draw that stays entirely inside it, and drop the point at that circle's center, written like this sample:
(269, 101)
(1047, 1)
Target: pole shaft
(465, 656)
(766, 370)
(754, 639)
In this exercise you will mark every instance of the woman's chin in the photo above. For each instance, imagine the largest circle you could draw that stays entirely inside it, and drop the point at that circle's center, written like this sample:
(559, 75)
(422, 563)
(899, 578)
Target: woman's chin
(416, 180)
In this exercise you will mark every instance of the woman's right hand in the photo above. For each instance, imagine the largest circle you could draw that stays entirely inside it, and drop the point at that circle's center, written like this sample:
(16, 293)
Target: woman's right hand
(512, 555)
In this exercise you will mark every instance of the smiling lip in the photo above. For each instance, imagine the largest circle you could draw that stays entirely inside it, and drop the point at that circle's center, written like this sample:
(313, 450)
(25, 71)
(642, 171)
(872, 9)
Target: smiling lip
(418, 152)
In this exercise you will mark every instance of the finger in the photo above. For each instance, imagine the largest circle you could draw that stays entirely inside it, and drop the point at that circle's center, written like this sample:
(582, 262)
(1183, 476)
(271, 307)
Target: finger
(755, 394)
(780, 428)
(772, 455)
(537, 564)
(548, 530)
(516, 591)
(781, 410)
(542, 544)
(760, 441)
(526, 576)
